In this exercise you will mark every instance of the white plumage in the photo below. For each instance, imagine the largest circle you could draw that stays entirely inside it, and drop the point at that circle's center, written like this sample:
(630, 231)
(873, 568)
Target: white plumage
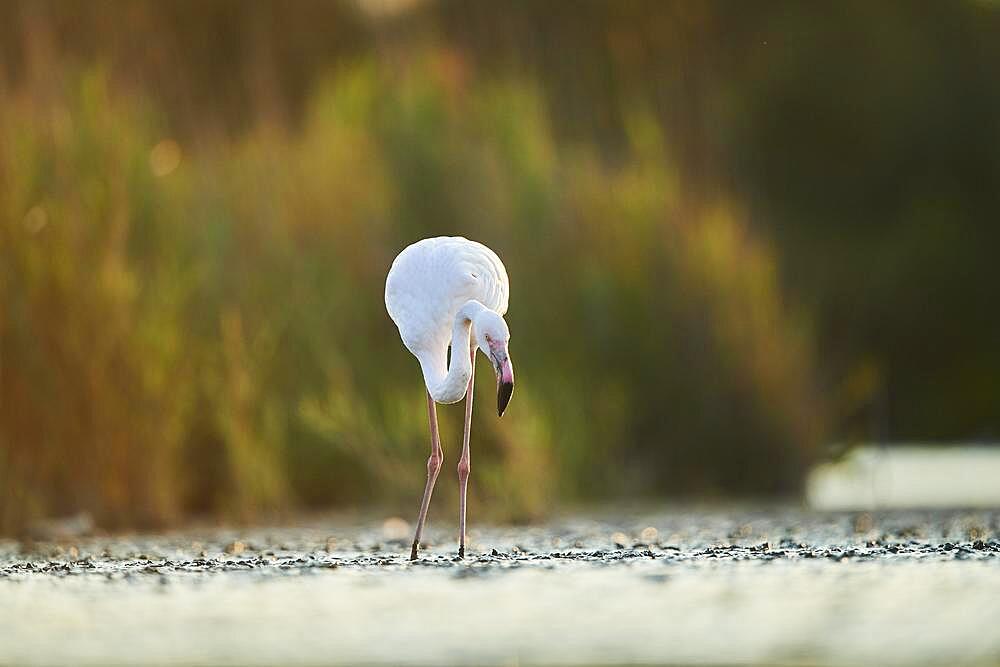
(451, 292)
(431, 279)
(428, 284)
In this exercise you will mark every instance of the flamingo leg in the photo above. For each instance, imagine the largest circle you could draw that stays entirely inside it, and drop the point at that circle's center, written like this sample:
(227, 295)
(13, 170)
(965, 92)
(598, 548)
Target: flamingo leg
(433, 468)
(464, 465)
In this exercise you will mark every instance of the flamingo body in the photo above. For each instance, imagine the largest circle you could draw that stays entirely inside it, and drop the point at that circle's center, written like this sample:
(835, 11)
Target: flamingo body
(446, 292)
(429, 282)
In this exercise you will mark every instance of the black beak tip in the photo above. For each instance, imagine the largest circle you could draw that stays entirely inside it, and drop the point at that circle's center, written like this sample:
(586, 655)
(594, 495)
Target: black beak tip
(504, 390)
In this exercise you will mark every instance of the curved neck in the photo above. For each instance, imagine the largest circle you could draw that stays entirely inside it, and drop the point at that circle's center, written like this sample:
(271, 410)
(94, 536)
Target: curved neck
(448, 383)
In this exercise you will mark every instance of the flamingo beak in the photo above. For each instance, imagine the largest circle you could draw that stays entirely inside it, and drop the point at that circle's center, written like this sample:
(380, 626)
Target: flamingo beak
(505, 377)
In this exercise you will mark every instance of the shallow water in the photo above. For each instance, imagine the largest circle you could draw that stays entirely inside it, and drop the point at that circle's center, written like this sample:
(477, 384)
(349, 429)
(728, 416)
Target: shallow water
(707, 586)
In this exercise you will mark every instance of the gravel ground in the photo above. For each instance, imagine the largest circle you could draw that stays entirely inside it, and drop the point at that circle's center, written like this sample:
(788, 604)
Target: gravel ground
(687, 586)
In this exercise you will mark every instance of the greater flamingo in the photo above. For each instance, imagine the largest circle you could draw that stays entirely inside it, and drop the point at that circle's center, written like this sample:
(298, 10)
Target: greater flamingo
(451, 291)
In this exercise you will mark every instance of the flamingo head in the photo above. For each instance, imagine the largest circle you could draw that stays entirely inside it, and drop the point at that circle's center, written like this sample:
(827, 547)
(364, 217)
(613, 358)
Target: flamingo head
(493, 338)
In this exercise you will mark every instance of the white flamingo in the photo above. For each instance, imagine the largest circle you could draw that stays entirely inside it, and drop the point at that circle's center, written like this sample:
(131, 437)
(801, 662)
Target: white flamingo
(451, 291)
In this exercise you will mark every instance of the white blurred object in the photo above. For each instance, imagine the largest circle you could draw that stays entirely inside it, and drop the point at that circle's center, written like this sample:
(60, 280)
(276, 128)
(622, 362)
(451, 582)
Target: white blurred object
(62, 528)
(909, 476)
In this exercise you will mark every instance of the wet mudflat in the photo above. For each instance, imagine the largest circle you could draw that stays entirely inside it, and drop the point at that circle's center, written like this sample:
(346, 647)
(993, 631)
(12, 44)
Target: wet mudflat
(705, 586)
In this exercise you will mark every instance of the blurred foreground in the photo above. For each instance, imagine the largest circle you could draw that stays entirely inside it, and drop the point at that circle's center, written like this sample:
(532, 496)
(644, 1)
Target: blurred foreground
(699, 586)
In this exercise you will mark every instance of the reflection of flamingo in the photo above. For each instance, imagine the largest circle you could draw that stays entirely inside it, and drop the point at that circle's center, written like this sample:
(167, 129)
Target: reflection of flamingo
(451, 291)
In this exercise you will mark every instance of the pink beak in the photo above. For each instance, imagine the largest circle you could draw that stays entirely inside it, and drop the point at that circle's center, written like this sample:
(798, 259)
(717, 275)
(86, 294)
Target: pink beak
(505, 375)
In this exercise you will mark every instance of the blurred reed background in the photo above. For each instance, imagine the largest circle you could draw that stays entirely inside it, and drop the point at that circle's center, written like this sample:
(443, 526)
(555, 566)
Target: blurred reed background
(736, 232)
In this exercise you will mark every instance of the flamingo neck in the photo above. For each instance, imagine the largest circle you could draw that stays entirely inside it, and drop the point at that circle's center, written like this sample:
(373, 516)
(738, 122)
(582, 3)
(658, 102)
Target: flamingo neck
(449, 385)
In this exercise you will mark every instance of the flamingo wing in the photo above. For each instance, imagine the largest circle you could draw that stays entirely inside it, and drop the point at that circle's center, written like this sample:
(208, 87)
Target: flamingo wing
(430, 280)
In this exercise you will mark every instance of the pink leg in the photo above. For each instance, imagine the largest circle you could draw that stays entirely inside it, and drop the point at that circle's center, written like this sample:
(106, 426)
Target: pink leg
(433, 467)
(464, 464)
